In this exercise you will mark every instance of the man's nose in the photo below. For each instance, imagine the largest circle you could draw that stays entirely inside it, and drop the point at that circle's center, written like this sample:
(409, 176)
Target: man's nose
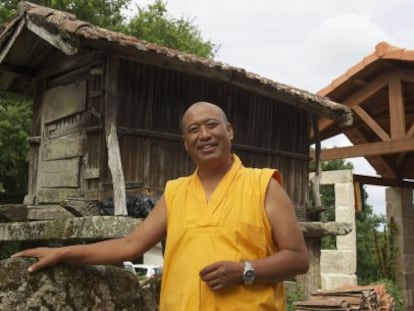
(204, 132)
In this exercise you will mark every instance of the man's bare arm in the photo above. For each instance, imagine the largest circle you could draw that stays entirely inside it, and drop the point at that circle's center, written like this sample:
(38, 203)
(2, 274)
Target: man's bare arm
(290, 259)
(141, 239)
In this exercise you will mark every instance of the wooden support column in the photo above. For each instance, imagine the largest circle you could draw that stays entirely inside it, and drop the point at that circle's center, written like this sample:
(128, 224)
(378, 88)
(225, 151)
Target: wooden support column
(114, 154)
(396, 104)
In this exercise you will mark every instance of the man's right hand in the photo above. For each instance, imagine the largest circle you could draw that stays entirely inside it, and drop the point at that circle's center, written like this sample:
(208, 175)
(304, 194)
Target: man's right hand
(46, 257)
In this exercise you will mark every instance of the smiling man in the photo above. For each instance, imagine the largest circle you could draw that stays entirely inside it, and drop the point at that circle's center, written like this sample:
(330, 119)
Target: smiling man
(232, 233)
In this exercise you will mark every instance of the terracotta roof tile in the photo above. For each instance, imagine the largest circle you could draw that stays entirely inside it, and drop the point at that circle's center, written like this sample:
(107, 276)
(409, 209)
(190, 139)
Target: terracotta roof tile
(369, 59)
(356, 68)
(407, 55)
(383, 50)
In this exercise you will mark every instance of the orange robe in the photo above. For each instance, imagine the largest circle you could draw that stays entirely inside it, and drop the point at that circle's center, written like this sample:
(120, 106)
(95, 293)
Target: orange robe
(232, 225)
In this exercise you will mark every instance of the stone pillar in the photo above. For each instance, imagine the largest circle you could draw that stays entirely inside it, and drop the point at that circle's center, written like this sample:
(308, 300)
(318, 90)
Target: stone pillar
(400, 208)
(338, 267)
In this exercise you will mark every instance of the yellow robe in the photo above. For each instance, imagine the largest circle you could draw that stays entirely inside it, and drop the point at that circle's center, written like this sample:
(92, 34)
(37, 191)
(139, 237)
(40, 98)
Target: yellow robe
(232, 225)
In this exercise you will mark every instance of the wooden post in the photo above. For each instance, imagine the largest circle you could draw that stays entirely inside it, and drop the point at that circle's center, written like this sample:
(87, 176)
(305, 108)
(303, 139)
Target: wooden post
(114, 154)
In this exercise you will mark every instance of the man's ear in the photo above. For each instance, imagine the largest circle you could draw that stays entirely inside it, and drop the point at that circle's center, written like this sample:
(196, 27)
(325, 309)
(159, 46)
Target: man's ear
(185, 144)
(230, 130)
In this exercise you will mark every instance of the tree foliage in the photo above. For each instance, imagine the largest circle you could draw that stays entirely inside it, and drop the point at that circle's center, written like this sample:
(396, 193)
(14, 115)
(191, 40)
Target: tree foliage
(15, 123)
(155, 25)
(104, 13)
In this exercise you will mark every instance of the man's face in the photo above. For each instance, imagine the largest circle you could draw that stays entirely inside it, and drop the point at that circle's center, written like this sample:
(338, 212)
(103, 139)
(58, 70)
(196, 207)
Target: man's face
(207, 135)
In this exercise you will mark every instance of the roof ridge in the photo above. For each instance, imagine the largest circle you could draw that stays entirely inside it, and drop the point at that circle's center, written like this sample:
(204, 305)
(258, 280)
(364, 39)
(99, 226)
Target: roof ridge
(383, 47)
(383, 50)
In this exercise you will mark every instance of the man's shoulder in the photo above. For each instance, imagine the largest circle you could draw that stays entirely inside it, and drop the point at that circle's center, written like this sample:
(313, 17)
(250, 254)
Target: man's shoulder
(179, 181)
(258, 171)
(262, 175)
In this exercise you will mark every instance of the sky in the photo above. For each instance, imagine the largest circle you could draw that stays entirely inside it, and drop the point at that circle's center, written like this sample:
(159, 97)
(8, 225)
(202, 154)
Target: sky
(302, 43)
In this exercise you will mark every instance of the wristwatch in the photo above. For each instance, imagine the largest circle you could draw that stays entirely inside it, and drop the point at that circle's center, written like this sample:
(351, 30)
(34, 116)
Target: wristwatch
(248, 273)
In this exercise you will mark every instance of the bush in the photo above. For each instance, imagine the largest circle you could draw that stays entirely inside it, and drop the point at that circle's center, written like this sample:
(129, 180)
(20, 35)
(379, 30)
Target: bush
(292, 296)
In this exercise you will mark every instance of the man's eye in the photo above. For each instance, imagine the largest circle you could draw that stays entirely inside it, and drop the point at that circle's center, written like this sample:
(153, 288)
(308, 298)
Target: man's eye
(212, 124)
(193, 129)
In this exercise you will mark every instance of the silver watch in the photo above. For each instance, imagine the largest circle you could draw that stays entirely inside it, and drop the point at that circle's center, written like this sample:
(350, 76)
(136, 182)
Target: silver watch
(248, 273)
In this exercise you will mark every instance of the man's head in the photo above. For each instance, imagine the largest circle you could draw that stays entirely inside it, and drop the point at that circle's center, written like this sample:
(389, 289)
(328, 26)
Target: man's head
(207, 133)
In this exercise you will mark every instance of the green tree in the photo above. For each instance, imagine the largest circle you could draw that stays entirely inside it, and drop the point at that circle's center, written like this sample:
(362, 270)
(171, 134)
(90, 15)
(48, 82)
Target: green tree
(104, 13)
(15, 123)
(155, 25)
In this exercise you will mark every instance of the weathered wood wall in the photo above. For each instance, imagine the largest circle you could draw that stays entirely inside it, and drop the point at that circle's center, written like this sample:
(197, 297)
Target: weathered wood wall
(73, 154)
(152, 100)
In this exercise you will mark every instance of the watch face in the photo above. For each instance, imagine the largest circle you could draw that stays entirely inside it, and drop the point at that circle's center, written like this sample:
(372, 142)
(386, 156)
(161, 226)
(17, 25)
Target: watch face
(249, 276)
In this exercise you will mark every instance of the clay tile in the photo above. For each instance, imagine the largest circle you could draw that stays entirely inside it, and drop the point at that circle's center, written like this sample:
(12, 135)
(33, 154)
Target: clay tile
(371, 58)
(355, 69)
(407, 55)
(394, 53)
(74, 26)
(326, 90)
(381, 48)
(340, 80)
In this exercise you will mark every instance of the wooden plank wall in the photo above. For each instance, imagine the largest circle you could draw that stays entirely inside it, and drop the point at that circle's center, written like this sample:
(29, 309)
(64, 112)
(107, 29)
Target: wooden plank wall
(152, 102)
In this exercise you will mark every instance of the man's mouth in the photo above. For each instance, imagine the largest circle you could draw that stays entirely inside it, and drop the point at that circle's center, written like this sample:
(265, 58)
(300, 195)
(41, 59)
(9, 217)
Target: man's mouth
(206, 147)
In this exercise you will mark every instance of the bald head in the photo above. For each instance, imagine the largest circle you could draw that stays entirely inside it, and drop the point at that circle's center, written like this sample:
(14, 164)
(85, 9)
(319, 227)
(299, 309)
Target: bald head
(202, 105)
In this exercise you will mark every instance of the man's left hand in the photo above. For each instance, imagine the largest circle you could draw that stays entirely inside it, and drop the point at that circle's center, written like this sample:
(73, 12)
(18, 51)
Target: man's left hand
(222, 274)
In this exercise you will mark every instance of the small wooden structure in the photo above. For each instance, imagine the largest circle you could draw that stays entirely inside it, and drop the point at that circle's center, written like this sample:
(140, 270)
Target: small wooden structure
(380, 92)
(107, 107)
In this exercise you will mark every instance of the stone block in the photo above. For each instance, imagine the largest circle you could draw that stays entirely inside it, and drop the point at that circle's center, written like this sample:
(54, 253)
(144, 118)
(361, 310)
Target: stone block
(345, 214)
(346, 242)
(344, 195)
(340, 176)
(393, 200)
(332, 281)
(333, 261)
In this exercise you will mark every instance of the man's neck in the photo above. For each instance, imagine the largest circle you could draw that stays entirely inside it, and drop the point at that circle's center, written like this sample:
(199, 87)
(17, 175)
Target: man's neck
(210, 176)
(215, 171)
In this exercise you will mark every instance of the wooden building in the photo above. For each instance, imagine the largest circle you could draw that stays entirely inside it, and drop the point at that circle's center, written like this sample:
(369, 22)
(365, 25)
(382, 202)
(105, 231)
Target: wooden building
(107, 107)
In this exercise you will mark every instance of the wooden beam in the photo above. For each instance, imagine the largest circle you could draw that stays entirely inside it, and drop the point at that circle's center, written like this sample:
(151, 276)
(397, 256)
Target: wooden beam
(378, 162)
(369, 149)
(410, 132)
(396, 108)
(381, 166)
(10, 43)
(56, 40)
(114, 154)
(372, 124)
(17, 70)
(381, 181)
(405, 75)
(358, 97)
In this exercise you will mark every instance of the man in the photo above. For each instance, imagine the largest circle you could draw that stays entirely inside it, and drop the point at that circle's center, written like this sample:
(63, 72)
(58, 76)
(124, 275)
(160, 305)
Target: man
(232, 232)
